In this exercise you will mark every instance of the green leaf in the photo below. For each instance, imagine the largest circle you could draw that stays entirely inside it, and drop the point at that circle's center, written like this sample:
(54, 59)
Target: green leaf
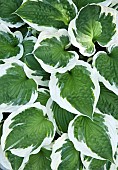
(108, 102)
(92, 163)
(51, 52)
(27, 130)
(98, 27)
(43, 96)
(77, 90)
(14, 160)
(82, 3)
(15, 87)
(96, 138)
(106, 65)
(35, 70)
(61, 116)
(10, 43)
(7, 14)
(64, 155)
(39, 161)
(47, 13)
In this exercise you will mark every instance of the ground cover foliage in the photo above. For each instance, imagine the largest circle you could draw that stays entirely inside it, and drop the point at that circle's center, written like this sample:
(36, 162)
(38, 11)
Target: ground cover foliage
(59, 84)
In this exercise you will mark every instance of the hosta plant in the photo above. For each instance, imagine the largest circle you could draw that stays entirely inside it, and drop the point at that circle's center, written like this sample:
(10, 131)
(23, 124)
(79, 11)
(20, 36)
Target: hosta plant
(59, 84)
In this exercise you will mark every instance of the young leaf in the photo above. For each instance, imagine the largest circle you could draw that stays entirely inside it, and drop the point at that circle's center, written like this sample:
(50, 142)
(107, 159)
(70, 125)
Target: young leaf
(47, 14)
(108, 102)
(97, 138)
(27, 130)
(16, 88)
(10, 43)
(98, 26)
(51, 52)
(7, 15)
(39, 161)
(61, 116)
(77, 90)
(106, 65)
(64, 155)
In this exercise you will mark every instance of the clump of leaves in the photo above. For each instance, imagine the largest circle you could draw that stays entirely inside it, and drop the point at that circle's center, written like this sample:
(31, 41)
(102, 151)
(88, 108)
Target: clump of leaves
(59, 84)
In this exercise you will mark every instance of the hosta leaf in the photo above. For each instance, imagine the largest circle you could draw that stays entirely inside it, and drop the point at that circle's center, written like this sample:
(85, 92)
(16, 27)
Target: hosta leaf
(27, 130)
(108, 102)
(106, 65)
(7, 14)
(15, 87)
(77, 90)
(10, 43)
(98, 27)
(36, 71)
(43, 96)
(64, 155)
(61, 116)
(14, 160)
(92, 163)
(50, 51)
(97, 138)
(47, 13)
(82, 3)
(39, 161)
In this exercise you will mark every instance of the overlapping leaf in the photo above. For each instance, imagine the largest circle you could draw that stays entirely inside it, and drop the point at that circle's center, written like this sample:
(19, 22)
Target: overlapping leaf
(106, 65)
(97, 138)
(10, 43)
(76, 90)
(27, 130)
(51, 51)
(15, 87)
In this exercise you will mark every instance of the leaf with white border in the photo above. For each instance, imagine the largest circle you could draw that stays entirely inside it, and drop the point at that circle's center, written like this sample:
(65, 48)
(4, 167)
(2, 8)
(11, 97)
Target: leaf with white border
(16, 88)
(64, 155)
(99, 26)
(96, 138)
(7, 15)
(108, 102)
(51, 51)
(39, 161)
(77, 90)
(10, 43)
(26, 130)
(106, 65)
(47, 14)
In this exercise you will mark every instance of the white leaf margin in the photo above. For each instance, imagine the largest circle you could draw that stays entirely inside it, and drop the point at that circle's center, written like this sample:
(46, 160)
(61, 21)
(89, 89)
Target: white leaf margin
(100, 77)
(110, 123)
(63, 103)
(57, 34)
(6, 131)
(6, 107)
(16, 34)
(44, 28)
